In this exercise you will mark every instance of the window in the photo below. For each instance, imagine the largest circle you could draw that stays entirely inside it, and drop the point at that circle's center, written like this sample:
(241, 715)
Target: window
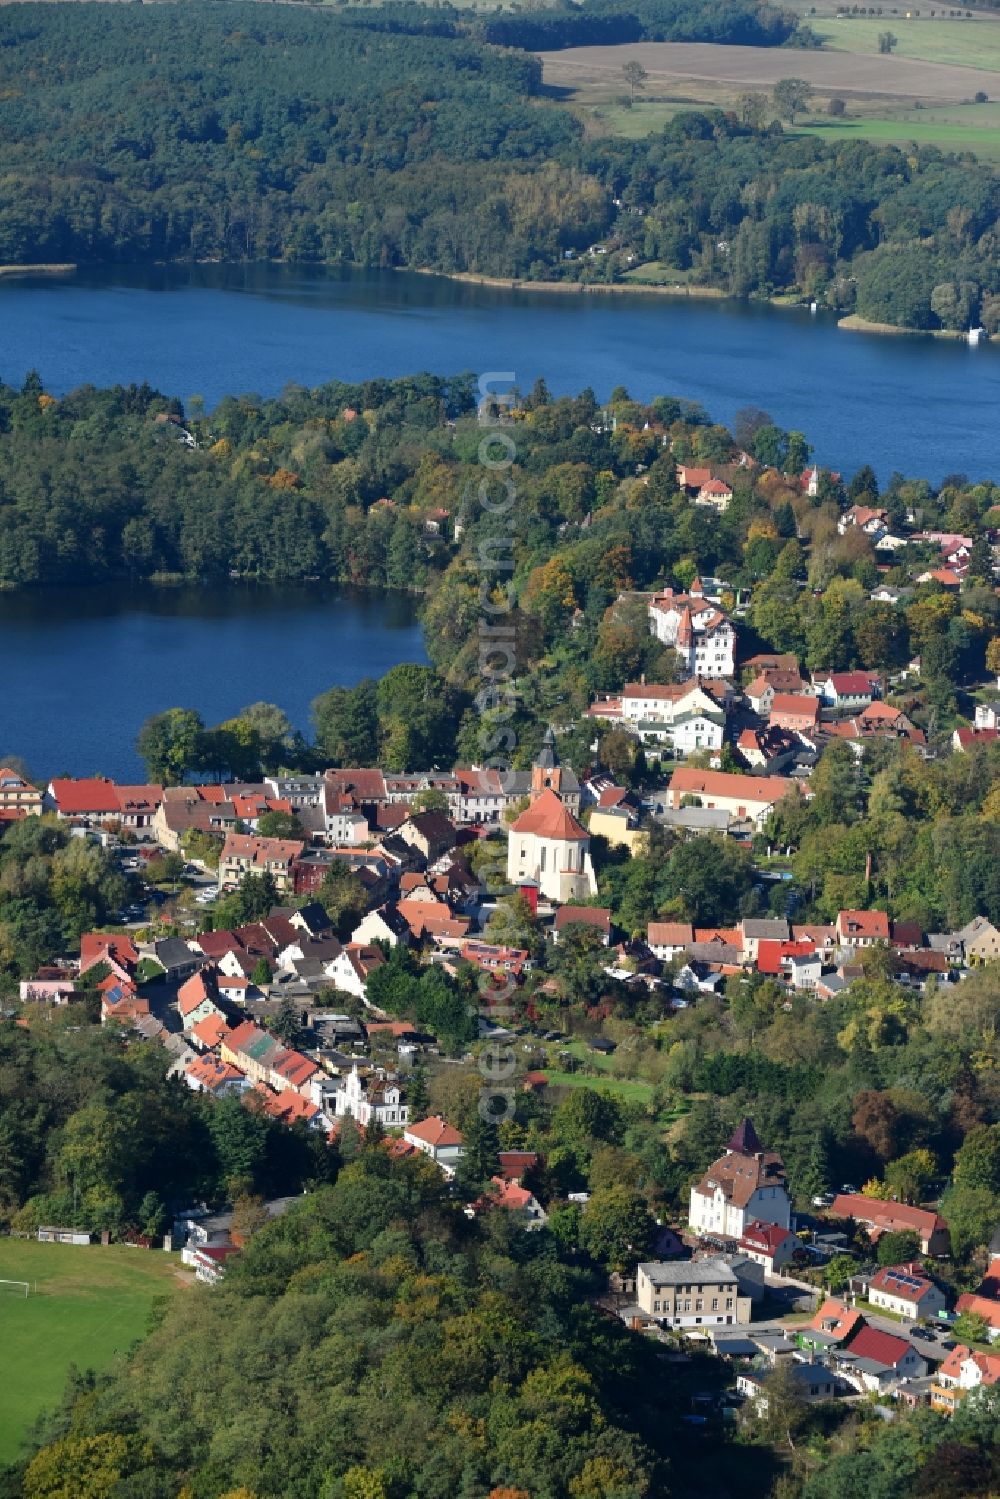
(715, 1303)
(699, 1305)
(729, 1305)
(542, 862)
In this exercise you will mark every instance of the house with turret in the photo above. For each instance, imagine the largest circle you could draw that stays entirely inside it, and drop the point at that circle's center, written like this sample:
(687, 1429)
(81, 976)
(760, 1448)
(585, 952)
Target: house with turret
(701, 634)
(747, 1185)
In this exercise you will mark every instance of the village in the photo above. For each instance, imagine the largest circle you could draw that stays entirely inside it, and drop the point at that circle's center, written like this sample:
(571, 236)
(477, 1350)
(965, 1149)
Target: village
(276, 1010)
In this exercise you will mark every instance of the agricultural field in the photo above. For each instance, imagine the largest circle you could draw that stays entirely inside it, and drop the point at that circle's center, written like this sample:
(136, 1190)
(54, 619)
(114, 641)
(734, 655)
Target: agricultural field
(710, 72)
(945, 63)
(90, 1306)
(963, 43)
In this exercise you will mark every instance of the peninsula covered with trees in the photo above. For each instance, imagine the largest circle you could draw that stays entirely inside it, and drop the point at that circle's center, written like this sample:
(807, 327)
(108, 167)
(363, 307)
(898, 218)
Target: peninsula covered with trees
(411, 136)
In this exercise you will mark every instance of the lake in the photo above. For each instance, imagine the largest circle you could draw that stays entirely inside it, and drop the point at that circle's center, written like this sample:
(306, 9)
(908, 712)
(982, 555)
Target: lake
(83, 668)
(921, 405)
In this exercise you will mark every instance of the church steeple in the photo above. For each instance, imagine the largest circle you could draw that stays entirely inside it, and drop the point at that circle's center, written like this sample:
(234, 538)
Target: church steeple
(546, 772)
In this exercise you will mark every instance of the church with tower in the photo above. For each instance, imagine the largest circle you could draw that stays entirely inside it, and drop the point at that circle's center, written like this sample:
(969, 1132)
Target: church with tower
(548, 847)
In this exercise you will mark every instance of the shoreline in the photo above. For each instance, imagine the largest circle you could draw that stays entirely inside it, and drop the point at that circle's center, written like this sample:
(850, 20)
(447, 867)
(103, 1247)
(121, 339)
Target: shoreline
(852, 323)
(581, 288)
(39, 270)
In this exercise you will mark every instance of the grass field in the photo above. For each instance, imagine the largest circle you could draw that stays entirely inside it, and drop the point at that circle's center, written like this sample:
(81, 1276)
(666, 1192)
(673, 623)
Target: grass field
(91, 1305)
(965, 44)
(938, 127)
(629, 1090)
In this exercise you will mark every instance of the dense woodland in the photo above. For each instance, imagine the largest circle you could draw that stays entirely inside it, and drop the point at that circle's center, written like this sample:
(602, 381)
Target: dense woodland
(405, 136)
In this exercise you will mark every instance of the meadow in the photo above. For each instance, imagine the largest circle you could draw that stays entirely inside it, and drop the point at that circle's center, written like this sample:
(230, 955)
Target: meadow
(86, 1308)
(962, 43)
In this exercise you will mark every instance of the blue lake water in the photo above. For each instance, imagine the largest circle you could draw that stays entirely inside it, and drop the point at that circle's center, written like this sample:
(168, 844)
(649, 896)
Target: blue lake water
(82, 669)
(917, 404)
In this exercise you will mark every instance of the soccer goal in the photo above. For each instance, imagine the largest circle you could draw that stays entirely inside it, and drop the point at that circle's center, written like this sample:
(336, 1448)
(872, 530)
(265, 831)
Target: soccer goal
(14, 1288)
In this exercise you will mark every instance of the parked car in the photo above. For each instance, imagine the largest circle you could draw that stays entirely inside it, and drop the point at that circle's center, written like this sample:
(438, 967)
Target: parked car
(823, 1200)
(848, 1190)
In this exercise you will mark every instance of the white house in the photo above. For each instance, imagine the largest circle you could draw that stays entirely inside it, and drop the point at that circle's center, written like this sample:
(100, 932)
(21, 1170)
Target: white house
(696, 731)
(907, 1291)
(700, 633)
(349, 970)
(847, 690)
(382, 925)
(666, 939)
(651, 701)
(750, 798)
(746, 1185)
(813, 1382)
(437, 1139)
(372, 1096)
(769, 1245)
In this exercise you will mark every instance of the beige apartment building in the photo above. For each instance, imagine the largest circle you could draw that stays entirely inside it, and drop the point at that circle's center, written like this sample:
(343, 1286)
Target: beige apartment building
(691, 1293)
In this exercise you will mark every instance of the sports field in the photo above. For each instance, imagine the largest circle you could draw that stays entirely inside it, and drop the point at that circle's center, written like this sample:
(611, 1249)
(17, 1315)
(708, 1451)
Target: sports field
(91, 1305)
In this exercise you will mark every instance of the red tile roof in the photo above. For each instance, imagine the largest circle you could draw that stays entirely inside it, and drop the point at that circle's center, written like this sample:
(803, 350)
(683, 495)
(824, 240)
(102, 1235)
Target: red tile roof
(514, 1163)
(669, 933)
(97, 945)
(980, 1306)
(795, 705)
(211, 1072)
(210, 1031)
(765, 1238)
(851, 683)
(882, 1347)
(194, 992)
(874, 924)
(887, 1216)
(435, 1132)
(907, 1282)
(689, 781)
(139, 798)
(595, 916)
(88, 796)
(842, 1320)
(547, 817)
(508, 1194)
(988, 1364)
(976, 736)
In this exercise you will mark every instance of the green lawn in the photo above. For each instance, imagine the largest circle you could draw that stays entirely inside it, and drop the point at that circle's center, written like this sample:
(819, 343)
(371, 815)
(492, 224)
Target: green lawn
(966, 44)
(627, 1089)
(91, 1305)
(974, 127)
(646, 117)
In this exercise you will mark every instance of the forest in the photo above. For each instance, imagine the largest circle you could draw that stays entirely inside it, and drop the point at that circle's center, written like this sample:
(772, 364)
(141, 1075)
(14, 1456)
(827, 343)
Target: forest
(376, 1343)
(403, 136)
